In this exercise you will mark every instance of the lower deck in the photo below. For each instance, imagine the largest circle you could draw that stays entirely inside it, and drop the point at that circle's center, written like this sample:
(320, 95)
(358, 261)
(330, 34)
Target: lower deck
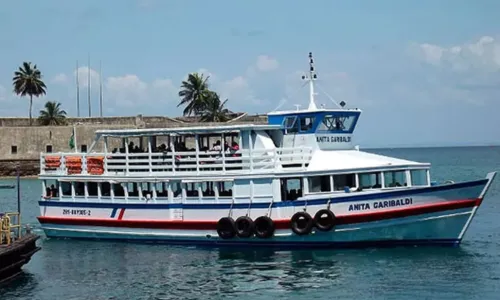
(229, 190)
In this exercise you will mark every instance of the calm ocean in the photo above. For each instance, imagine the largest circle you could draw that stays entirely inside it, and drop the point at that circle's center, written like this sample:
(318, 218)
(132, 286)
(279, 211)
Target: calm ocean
(66, 269)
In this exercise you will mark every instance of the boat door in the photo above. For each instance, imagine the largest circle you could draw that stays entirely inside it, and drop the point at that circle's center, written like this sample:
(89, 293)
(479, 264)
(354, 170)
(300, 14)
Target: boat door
(176, 197)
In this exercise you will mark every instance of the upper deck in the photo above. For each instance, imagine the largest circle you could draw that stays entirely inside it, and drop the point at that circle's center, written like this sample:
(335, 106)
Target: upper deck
(309, 140)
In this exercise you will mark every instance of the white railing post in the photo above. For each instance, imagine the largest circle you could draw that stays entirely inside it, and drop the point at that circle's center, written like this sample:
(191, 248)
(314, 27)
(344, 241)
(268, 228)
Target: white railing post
(105, 159)
(173, 155)
(223, 154)
(99, 191)
(250, 152)
(86, 190)
(197, 147)
(126, 157)
(150, 151)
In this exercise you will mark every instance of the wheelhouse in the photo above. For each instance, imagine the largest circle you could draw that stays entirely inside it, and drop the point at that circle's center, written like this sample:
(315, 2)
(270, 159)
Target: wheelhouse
(324, 129)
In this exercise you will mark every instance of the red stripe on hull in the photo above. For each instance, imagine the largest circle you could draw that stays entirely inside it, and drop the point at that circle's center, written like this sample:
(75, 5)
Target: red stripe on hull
(120, 216)
(280, 224)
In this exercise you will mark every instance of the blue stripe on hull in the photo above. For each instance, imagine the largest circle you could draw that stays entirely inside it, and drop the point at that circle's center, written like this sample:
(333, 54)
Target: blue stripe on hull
(457, 191)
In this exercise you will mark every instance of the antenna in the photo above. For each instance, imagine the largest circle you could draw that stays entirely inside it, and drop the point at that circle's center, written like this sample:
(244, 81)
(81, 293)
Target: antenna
(88, 71)
(100, 88)
(77, 92)
(311, 78)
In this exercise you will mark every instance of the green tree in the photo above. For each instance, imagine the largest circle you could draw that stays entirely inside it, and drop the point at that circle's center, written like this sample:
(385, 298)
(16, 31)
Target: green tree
(52, 114)
(214, 110)
(194, 94)
(28, 81)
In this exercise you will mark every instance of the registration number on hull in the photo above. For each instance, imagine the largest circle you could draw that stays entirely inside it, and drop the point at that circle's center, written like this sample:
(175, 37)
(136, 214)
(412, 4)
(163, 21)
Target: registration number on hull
(76, 212)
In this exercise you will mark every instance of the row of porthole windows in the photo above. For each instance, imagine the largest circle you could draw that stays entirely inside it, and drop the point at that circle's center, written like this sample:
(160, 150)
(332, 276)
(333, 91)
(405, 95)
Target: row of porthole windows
(369, 180)
(144, 189)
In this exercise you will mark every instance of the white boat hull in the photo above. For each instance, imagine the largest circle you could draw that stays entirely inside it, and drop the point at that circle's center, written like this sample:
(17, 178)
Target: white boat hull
(434, 215)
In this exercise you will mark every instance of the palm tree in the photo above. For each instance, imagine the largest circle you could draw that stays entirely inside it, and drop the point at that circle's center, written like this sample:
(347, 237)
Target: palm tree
(28, 81)
(214, 110)
(194, 92)
(52, 114)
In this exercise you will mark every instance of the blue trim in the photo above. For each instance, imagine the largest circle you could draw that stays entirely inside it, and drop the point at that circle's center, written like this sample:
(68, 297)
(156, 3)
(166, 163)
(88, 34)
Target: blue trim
(275, 244)
(262, 205)
(113, 213)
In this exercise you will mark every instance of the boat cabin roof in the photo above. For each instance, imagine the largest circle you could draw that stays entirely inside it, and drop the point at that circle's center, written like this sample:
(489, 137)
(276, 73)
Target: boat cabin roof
(353, 159)
(312, 111)
(209, 129)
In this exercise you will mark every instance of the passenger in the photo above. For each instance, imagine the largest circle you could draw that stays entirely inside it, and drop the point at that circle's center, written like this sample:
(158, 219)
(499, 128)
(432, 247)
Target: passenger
(54, 191)
(48, 193)
(217, 146)
(234, 148)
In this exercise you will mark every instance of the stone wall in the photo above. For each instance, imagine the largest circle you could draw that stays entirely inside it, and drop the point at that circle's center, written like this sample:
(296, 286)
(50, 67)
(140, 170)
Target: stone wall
(27, 167)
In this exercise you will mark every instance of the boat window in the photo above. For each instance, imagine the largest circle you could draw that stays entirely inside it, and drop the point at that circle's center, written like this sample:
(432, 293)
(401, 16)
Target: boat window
(161, 190)
(105, 189)
(66, 188)
(225, 189)
(370, 180)
(79, 189)
(418, 177)
(207, 189)
(146, 190)
(176, 189)
(132, 189)
(395, 178)
(92, 188)
(306, 123)
(318, 184)
(290, 124)
(337, 122)
(291, 189)
(192, 189)
(340, 182)
(118, 190)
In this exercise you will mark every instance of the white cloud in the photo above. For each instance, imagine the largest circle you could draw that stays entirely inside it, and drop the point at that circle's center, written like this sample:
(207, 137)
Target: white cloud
(484, 54)
(60, 78)
(83, 76)
(126, 90)
(266, 63)
(130, 94)
(238, 91)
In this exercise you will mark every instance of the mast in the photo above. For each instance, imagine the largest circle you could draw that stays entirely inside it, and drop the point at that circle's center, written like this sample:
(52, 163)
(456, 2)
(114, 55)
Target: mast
(311, 78)
(77, 92)
(100, 88)
(88, 92)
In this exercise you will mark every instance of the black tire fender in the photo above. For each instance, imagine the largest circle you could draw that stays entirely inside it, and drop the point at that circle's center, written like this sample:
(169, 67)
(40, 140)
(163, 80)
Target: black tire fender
(301, 223)
(244, 227)
(226, 228)
(264, 227)
(324, 220)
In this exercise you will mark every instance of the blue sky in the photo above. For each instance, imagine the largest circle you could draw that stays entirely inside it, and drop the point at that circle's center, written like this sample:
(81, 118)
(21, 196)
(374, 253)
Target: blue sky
(424, 72)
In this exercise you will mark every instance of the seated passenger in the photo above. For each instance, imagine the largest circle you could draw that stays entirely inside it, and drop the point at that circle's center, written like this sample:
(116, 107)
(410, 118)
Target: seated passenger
(217, 146)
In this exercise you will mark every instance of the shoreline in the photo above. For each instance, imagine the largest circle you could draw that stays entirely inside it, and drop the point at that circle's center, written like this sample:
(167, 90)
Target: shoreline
(21, 177)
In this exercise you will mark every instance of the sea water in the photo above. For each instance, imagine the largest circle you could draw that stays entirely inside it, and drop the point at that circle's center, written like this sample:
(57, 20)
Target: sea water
(68, 269)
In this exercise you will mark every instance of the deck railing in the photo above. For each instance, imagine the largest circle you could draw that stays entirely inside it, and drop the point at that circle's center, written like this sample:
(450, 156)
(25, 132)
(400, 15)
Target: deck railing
(10, 221)
(192, 162)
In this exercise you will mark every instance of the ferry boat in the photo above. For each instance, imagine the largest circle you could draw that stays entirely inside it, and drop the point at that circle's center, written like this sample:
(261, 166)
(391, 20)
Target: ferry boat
(297, 181)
